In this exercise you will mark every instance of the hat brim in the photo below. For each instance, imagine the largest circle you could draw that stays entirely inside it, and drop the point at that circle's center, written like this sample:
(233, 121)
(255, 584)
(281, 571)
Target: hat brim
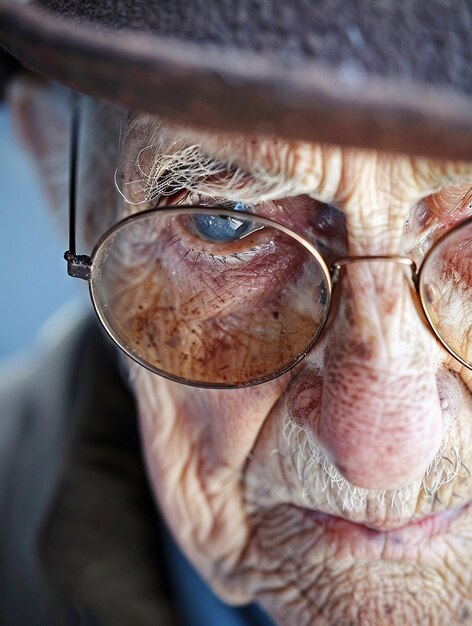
(240, 92)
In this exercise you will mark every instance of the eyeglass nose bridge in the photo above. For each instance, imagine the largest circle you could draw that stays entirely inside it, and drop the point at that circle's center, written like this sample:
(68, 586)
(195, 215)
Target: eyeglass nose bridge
(337, 267)
(339, 264)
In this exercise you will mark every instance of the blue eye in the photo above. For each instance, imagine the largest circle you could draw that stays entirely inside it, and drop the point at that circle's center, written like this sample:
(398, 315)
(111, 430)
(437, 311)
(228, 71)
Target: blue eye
(222, 229)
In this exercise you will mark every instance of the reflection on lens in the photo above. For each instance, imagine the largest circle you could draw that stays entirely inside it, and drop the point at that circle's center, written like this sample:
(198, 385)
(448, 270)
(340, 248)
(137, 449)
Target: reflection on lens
(446, 291)
(209, 312)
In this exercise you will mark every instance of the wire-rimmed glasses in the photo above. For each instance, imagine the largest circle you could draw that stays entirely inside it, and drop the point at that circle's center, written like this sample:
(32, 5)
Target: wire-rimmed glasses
(214, 297)
(242, 308)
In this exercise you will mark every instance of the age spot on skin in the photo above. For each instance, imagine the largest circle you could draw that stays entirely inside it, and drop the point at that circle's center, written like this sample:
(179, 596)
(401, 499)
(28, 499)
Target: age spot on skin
(304, 399)
(363, 350)
(464, 614)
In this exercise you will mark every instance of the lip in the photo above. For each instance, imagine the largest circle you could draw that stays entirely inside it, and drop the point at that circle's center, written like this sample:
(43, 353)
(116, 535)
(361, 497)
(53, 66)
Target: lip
(378, 541)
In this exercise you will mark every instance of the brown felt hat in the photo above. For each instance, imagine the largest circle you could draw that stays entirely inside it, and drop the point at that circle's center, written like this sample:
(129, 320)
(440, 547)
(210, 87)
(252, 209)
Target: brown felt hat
(387, 74)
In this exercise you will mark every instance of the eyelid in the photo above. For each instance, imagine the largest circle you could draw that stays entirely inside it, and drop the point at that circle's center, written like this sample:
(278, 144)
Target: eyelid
(198, 199)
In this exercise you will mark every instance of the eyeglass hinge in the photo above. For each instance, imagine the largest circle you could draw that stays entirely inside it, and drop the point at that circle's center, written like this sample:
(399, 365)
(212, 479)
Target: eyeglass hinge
(78, 265)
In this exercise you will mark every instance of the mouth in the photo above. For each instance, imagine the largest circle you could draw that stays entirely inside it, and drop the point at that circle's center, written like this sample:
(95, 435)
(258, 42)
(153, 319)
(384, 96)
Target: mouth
(399, 541)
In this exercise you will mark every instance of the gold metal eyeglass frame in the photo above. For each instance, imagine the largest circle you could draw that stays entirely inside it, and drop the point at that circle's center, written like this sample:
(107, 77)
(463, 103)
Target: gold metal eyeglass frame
(81, 266)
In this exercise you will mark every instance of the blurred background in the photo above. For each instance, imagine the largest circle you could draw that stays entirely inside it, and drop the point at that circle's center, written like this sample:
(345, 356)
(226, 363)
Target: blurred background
(33, 277)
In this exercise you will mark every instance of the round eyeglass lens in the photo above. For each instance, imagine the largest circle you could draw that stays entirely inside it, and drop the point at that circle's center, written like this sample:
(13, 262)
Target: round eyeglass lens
(446, 291)
(209, 298)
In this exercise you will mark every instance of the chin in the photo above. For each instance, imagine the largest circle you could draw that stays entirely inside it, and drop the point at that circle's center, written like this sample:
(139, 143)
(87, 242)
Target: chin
(322, 571)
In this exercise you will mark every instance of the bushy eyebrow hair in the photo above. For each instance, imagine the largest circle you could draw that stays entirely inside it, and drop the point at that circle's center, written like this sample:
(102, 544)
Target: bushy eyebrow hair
(167, 164)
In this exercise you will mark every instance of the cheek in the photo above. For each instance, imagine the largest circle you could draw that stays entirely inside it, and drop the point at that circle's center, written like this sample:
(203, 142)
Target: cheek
(202, 505)
(196, 443)
(230, 420)
(220, 425)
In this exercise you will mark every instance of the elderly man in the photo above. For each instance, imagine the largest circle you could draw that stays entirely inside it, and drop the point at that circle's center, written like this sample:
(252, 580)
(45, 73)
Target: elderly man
(288, 278)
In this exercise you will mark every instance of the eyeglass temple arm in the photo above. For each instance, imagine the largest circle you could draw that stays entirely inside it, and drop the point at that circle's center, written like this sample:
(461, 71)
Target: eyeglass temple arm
(78, 266)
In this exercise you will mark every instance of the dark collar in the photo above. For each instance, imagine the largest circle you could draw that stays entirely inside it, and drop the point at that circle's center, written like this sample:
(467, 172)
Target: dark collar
(102, 545)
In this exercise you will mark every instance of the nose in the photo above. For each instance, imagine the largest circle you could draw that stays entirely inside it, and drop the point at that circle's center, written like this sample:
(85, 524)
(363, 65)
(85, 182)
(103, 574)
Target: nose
(380, 417)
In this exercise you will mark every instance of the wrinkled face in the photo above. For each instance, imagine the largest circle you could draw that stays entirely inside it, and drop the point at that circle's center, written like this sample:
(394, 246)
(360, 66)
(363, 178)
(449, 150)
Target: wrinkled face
(339, 493)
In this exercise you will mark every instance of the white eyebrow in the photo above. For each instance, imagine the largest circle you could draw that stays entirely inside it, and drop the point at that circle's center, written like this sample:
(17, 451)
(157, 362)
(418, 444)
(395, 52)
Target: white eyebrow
(167, 164)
